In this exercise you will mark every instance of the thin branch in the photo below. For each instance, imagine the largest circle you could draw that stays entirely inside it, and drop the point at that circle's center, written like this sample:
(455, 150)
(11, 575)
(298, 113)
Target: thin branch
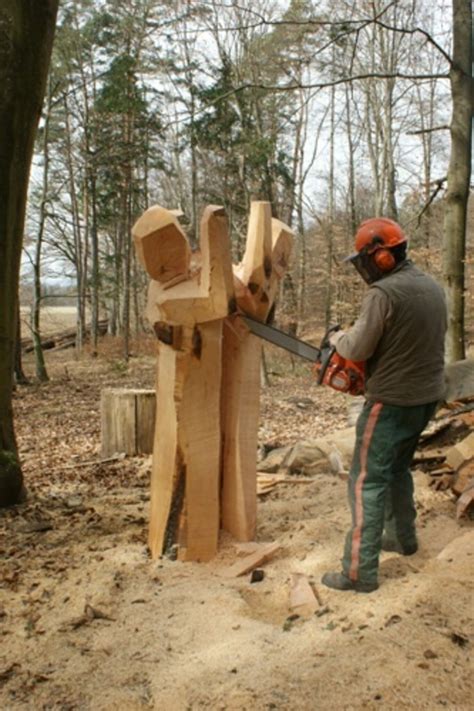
(439, 186)
(427, 130)
(413, 31)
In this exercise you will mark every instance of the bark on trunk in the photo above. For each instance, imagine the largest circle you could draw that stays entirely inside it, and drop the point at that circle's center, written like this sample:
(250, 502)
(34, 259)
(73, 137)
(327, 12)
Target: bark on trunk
(26, 31)
(459, 173)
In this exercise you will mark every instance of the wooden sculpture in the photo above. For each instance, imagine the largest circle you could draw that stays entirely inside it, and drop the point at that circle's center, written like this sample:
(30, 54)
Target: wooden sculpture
(208, 374)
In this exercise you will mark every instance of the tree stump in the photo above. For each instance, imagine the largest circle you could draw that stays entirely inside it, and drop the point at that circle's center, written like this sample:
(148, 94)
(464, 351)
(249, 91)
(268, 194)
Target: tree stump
(127, 421)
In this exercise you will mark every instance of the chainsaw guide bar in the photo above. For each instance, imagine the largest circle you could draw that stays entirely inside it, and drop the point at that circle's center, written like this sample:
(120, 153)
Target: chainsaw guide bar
(283, 340)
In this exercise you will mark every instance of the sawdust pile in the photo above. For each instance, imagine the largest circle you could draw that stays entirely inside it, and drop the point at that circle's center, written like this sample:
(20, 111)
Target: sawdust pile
(88, 622)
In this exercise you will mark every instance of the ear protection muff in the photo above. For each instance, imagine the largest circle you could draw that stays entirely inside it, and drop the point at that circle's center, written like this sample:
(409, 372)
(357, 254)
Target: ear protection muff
(383, 257)
(384, 260)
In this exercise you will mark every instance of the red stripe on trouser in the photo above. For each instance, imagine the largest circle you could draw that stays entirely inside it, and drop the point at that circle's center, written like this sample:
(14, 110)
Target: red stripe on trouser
(359, 504)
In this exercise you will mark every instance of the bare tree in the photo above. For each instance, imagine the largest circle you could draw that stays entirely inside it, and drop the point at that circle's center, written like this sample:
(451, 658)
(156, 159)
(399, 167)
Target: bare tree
(459, 174)
(27, 31)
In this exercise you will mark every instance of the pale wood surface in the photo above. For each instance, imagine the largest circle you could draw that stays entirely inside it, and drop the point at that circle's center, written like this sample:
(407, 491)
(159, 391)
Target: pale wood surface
(256, 282)
(186, 461)
(164, 464)
(240, 414)
(209, 379)
(199, 441)
(161, 245)
(209, 294)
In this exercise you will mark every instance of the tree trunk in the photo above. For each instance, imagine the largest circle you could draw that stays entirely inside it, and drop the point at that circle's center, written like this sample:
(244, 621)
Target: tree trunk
(459, 172)
(27, 31)
(41, 372)
(20, 377)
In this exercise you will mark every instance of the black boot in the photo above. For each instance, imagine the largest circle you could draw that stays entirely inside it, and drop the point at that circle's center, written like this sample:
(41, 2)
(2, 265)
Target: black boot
(389, 544)
(338, 581)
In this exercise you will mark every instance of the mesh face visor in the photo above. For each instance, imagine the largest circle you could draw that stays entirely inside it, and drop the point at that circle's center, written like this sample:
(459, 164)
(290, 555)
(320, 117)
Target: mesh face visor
(364, 264)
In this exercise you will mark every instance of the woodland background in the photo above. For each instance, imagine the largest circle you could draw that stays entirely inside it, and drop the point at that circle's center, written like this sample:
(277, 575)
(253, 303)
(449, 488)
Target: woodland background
(332, 111)
(190, 103)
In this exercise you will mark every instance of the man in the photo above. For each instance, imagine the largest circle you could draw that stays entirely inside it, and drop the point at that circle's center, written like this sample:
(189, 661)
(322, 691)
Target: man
(400, 335)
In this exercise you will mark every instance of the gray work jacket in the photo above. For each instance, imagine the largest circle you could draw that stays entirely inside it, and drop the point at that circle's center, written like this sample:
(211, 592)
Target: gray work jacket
(400, 334)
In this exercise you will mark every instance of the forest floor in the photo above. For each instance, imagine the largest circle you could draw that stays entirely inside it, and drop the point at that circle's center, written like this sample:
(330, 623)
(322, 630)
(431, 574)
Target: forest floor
(88, 622)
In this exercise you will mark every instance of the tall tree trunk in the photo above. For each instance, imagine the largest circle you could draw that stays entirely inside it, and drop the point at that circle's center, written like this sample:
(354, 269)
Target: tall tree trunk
(77, 231)
(20, 377)
(41, 372)
(459, 173)
(331, 211)
(95, 277)
(27, 30)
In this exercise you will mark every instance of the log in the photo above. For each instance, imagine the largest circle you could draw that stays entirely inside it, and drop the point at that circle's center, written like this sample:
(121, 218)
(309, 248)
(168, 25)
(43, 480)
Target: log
(61, 339)
(459, 380)
(127, 421)
(461, 452)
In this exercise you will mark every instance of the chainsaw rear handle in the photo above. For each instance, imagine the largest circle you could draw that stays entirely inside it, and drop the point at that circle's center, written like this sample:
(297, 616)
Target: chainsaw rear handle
(327, 352)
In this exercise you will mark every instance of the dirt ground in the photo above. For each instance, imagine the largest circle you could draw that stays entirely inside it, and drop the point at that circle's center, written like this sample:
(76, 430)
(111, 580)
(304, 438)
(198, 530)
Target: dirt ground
(87, 621)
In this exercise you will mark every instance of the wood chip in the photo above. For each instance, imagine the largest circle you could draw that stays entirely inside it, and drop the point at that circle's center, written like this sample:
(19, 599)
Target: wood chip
(251, 561)
(465, 502)
(302, 598)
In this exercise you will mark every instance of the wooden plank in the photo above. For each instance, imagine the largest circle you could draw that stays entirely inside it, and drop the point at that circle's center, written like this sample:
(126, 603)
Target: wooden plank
(302, 598)
(251, 561)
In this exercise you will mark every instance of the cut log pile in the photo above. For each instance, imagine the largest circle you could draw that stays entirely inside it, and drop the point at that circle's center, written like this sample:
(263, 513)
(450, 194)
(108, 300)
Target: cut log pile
(208, 373)
(60, 340)
(446, 454)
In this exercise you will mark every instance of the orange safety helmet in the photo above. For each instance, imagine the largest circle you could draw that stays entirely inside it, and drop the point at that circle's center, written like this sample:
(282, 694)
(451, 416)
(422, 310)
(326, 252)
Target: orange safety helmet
(378, 232)
(375, 238)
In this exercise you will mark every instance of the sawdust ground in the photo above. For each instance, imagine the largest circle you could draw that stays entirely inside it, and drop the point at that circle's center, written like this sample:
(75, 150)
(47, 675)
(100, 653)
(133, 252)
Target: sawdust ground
(175, 636)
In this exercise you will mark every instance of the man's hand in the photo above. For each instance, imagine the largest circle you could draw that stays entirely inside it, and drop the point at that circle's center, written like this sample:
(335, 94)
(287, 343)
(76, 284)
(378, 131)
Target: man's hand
(335, 337)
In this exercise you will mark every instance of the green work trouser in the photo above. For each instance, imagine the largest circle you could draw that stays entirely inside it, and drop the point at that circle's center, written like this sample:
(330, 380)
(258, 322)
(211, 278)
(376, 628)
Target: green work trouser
(381, 485)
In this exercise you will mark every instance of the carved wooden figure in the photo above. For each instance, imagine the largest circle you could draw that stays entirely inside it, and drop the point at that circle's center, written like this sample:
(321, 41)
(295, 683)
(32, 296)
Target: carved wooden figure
(204, 455)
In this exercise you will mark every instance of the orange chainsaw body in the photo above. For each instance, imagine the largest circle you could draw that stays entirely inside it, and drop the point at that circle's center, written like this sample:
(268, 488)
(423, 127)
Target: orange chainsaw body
(344, 375)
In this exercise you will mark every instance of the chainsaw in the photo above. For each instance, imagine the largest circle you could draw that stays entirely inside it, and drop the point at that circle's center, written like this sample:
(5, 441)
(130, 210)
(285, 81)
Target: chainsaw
(331, 369)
